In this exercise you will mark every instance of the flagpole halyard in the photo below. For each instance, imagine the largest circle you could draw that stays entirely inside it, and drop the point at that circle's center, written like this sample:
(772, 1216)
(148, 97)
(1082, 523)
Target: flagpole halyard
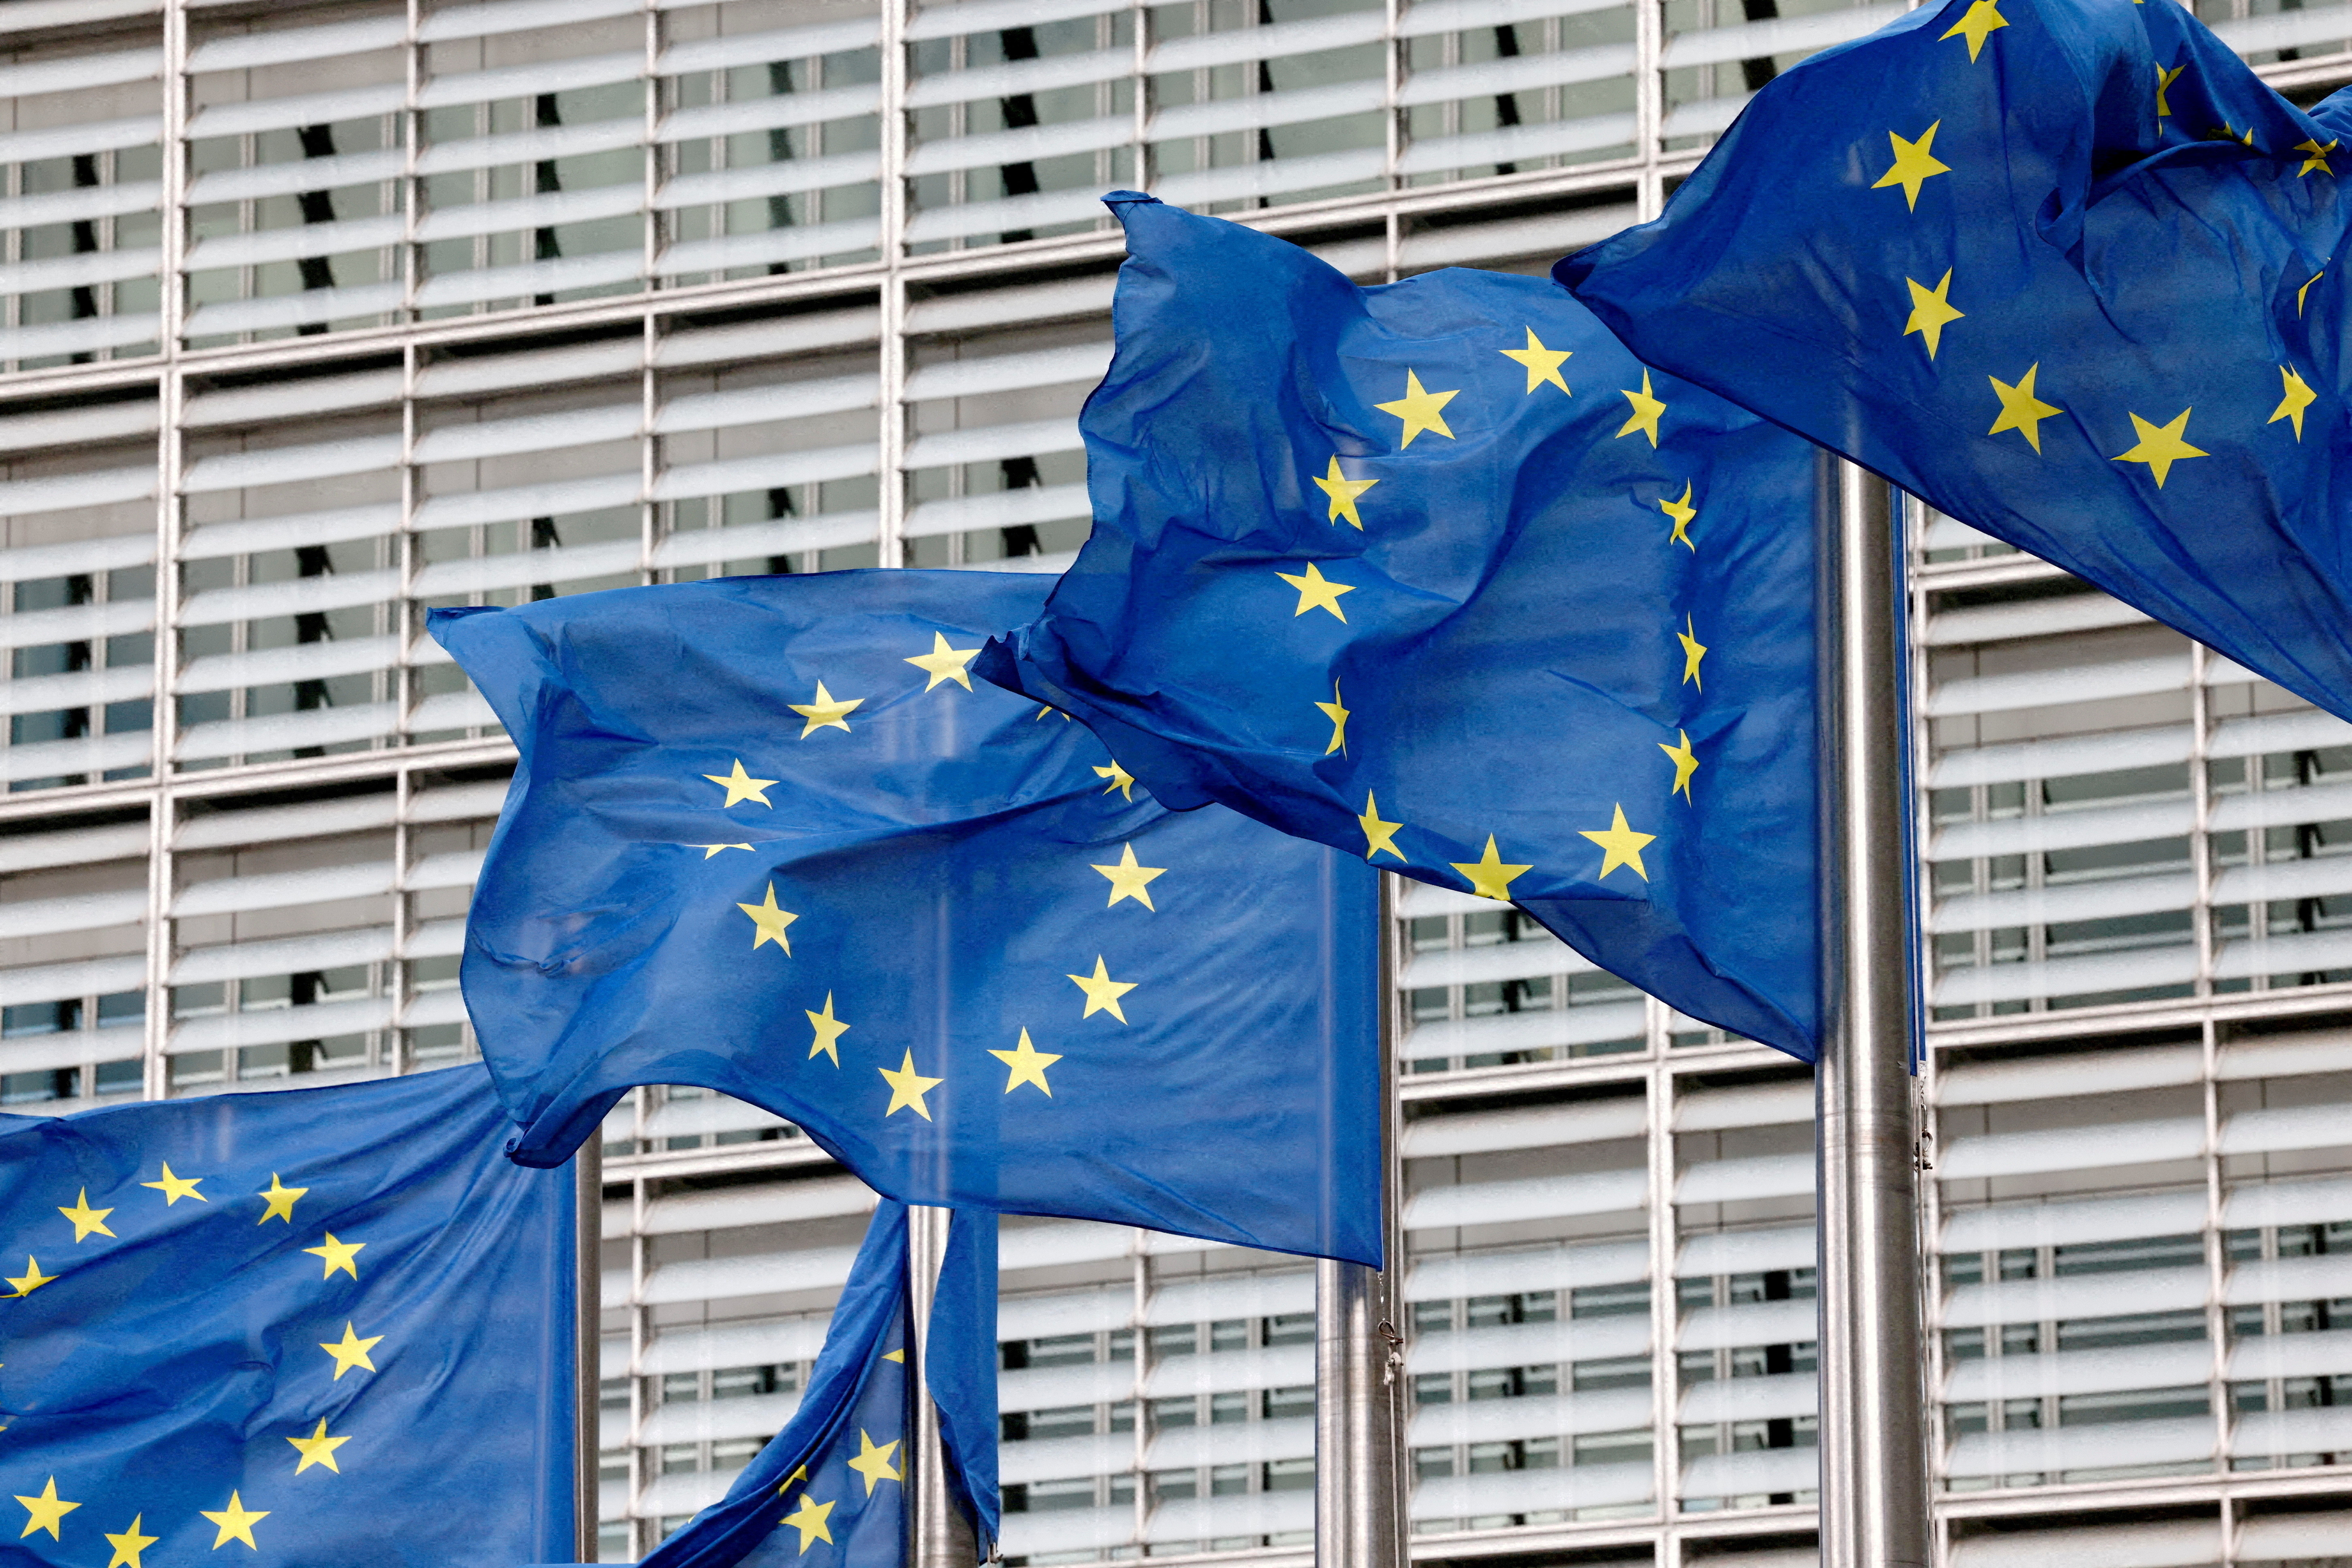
(1359, 1349)
(1873, 1458)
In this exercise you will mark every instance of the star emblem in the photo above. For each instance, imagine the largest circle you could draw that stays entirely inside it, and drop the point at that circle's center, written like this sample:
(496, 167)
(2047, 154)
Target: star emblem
(33, 1280)
(1379, 835)
(46, 1511)
(1490, 877)
(235, 1523)
(1542, 364)
(2315, 160)
(279, 1201)
(1343, 493)
(351, 1351)
(873, 1461)
(829, 1030)
(1693, 651)
(770, 920)
(809, 1519)
(1130, 881)
(1026, 1064)
(174, 1188)
(1420, 409)
(1620, 846)
(87, 1221)
(942, 663)
(1982, 20)
(740, 787)
(712, 850)
(1102, 992)
(1646, 410)
(339, 1255)
(2164, 80)
(1120, 780)
(130, 1544)
(907, 1088)
(1686, 763)
(2296, 396)
(1337, 714)
(1931, 313)
(2161, 446)
(1683, 514)
(827, 712)
(1317, 592)
(1914, 166)
(2020, 410)
(318, 1448)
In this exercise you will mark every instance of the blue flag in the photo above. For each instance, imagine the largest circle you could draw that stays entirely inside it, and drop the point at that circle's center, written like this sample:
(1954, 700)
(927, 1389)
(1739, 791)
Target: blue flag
(1439, 574)
(2063, 269)
(830, 1489)
(329, 1325)
(769, 836)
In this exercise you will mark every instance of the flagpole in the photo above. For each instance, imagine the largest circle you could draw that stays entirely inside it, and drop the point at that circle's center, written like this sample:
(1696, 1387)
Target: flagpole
(1359, 1350)
(938, 1534)
(1873, 1480)
(587, 1340)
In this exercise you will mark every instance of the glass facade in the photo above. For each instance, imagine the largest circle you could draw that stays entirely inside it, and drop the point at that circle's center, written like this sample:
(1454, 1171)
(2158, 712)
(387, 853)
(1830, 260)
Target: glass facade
(313, 317)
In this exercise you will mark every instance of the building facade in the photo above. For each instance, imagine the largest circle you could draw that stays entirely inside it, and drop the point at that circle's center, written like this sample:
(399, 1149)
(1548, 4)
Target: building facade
(313, 317)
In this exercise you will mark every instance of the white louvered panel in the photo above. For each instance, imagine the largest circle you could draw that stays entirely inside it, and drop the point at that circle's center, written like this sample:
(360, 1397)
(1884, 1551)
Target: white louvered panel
(1520, 143)
(2080, 829)
(65, 492)
(2081, 1371)
(1518, 73)
(316, 820)
(530, 80)
(1527, 1127)
(751, 540)
(1035, 143)
(2284, 1056)
(83, 912)
(282, 46)
(731, 50)
(285, 465)
(2065, 758)
(2284, 30)
(988, 15)
(486, 19)
(71, 1048)
(1009, 373)
(2119, 1445)
(1751, 1176)
(77, 623)
(309, 396)
(540, 368)
(1708, 1253)
(1056, 1388)
(543, 211)
(2320, 1278)
(1761, 1105)
(763, 1274)
(1071, 1312)
(284, 731)
(1222, 1372)
(1449, 1276)
(773, 113)
(758, 340)
(78, 73)
(709, 1420)
(290, 955)
(2298, 951)
(1750, 1472)
(759, 405)
(312, 307)
(1534, 1197)
(2283, 807)
(103, 554)
(73, 426)
(1780, 1395)
(1281, 177)
(2069, 902)
(1535, 1030)
(1264, 110)
(1032, 439)
(2083, 1148)
(1004, 79)
(1791, 1322)
(774, 244)
(90, 136)
(90, 267)
(531, 278)
(1612, 1338)
(683, 1349)
(531, 433)
(261, 246)
(306, 109)
(2092, 975)
(2076, 1296)
(1236, 1514)
(2065, 1076)
(1453, 16)
(89, 754)
(2323, 1355)
(732, 475)
(1544, 954)
(431, 1007)
(1489, 1493)
(26, 15)
(562, 565)
(452, 711)
(2050, 688)
(1784, 36)
(276, 1025)
(677, 1496)
(86, 689)
(540, 143)
(437, 938)
(543, 498)
(2320, 876)
(1250, 1296)
(89, 978)
(1054, 1458)
(784, 177)
(81, 203)
(1010, 307)
(288, 596)
(456, 868)
(326, 884)
(997, 509)
(77, 846)
(2030, 618)
(1504, 1420)
(1236, 45)
(2175, 1543)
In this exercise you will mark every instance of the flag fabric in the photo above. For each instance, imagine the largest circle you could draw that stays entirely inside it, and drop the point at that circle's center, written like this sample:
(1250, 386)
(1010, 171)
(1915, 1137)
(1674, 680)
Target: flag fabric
(1440, 574)
(830, 1489)
(328, 1325)
(2068, 270)
(767, 836)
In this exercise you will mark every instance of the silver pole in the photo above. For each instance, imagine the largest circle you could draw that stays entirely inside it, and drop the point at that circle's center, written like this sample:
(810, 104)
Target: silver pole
(938, 1534)
(1874, 1508)
(587, 1337)
(1359, 1352)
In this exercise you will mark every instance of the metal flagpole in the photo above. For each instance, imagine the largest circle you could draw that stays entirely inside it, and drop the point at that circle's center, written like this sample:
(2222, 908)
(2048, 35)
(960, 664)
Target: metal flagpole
(587, 1339)
(938, 1534)
(1358, 1352)
(1874, 1507)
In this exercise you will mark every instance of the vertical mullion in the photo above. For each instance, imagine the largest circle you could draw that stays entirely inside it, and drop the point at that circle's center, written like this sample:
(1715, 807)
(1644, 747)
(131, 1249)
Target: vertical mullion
(171, 240)
(1663, 1306)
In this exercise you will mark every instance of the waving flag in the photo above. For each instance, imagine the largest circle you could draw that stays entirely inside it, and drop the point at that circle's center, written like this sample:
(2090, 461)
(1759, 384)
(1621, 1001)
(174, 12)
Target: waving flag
(2068, 270)
(769, 836)
(1438, 574)
(329, 1325)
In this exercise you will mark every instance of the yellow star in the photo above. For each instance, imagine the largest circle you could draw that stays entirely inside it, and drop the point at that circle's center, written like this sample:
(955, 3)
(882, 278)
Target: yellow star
(1693, 651)
(710, 851)
(318, 1448)
(1646, 410)
(1490, 878)
(338, 1255)
(87, 1221)
(2164, 80)
(1914, 166)
(1130, 881)
(829, 1030)
(235, 1522)
(1622, 845)
(46, 1511)
(353, 1352)
(740, 787)
(1378, 835)
(1683, 514)
(1049, 708)
(33, 1280)
(1983, 20)
(2318, 159)
(772, 920)
(2161, 446)
(800, 1472)
(1102, 992)
(1337, 714)
(2298, 398)
(809, 1519)
(130, 1544)
(174, 1188)
(1543, 364)
(1686, 763)
(1420, 410)
(2306, 288)
(2020, 410)
(873, 1462)
(897, 1355)
(1028, 1065)
(825, 712)
(1342, 492)
(1317, 592)
(907, 1088)
(942, 663)
(1930, 311)
(280, 1201)
(1120, 780)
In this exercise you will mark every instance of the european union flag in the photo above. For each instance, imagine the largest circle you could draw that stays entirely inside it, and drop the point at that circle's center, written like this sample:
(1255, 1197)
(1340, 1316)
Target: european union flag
(328, 1325)
(1439, 574)
(829, 1490)
(769, 836)
(2066, 268)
